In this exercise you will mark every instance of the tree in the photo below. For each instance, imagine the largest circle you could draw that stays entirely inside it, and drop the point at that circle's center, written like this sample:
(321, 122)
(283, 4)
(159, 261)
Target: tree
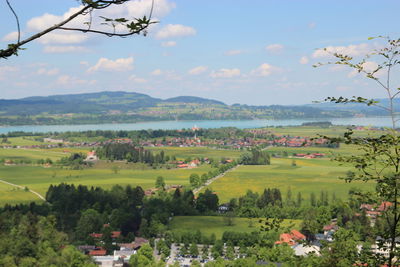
(193, 250)
(160, 183)
(87, 10)
(194, 180)
(343, 250)
(90, 222)
(144, 257)
(379, 160)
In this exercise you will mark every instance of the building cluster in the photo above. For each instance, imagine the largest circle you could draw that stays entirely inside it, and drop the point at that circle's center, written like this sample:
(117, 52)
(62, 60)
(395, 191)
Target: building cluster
(118, 257)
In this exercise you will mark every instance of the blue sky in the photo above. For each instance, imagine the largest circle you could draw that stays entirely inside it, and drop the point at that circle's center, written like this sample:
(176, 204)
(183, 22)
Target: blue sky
(250, 52)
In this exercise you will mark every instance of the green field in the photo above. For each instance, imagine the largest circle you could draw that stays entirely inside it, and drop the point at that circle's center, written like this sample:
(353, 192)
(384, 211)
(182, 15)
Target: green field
(23, 141)
(13, 195)
(310, 175)
(32, 154)
(344, 150)
(197, 152)
(216, 225)
(39, 179)
(311, 131)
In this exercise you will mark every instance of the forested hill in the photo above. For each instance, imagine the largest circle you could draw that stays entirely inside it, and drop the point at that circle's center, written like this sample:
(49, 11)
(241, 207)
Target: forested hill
(120, 107)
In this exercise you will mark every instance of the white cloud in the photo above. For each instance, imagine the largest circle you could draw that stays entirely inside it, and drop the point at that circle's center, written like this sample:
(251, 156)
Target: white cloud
(66, 80)
(105, 64)
(136, 79)
(63, 38)
(175, 30)
(350, 50)
(304, 60)
(274, 48)
(197, 70)
(265, 69)
(369, 66)
(44, 71)
(233, 52)
(168, 44)
(138, 8)
(130, 9)
(225, 73)
(11, 37)
(84, 63)
(51, 49)
(156, 72)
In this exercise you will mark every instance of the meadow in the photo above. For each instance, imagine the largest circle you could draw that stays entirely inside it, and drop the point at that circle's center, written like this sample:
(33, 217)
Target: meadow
(308, 176)
(198, 152)
(30, 154)
(216, 225)
(314, 131)
(39, 179)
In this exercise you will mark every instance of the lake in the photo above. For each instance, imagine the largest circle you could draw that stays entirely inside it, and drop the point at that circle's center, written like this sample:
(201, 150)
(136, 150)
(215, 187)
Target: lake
(172, 125)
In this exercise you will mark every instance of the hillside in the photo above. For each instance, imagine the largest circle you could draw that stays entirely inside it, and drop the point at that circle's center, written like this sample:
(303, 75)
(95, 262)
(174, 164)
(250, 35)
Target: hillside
(127, 107)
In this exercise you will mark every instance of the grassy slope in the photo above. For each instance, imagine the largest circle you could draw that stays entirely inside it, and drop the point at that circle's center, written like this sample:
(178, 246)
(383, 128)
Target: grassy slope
(215, 224)
(310, 175)
(39, 178)
(13, 195)
(32, 154)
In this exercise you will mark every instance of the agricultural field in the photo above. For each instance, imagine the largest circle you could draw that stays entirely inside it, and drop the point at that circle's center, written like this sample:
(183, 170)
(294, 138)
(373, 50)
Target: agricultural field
(23, 141)
(30, 154)
(216, 225)
(313, 131)
(343, 150)
(39, 179)
(197, 152)
(13, 195)
(309, 175)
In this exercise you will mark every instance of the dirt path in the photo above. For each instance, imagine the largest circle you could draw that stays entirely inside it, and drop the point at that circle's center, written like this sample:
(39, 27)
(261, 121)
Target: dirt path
(22, 187)
(197, 190)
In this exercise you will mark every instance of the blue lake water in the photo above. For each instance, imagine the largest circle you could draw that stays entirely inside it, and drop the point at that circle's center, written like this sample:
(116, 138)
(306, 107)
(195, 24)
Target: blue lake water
(172, 125)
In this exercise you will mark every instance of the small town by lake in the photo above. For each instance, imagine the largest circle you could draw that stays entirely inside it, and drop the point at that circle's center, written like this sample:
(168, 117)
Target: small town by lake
(172, 125)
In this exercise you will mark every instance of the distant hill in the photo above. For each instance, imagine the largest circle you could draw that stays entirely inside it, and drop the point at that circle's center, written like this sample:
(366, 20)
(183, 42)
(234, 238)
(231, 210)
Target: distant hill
(193, 99)
(125, 107)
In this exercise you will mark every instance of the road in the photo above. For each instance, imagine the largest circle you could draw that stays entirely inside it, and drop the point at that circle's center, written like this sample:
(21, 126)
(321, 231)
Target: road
(22, 187)
(195, 191)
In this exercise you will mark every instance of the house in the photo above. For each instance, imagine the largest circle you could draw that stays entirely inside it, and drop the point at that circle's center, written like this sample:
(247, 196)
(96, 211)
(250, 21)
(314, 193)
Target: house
(304, 250)
(291, 238)
(223, 208)
(91, 156)
(123, 254)
(181, 166)
(135, 245)
(98, 251)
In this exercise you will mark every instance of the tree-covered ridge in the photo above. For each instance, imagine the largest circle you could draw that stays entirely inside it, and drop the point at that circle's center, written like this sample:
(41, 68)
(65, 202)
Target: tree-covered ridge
(104, 107)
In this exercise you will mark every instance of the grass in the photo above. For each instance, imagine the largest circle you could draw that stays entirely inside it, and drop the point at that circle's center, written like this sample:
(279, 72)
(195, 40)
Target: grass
(23, 141)
(216, 225)
(310, 175)
(30, 154)
(13, 195)
(312, 131)
(197, 152)
(39, 179)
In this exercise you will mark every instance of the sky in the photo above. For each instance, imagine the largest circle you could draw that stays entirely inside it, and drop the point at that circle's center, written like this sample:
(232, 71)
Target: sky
(256, 52)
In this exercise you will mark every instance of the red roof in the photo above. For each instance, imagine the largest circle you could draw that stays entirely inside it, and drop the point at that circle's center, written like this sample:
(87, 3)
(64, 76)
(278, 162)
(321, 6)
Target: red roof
(100, 252)
(385, 206)
(95, 235)
(115, 234)
(297, 235)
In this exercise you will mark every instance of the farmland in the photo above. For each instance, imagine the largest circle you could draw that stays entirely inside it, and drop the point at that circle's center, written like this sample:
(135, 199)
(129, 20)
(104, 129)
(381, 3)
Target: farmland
(308, 176)
(216, 225)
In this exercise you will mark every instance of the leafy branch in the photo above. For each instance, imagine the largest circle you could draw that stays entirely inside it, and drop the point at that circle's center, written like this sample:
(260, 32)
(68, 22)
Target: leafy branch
(132, 26)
